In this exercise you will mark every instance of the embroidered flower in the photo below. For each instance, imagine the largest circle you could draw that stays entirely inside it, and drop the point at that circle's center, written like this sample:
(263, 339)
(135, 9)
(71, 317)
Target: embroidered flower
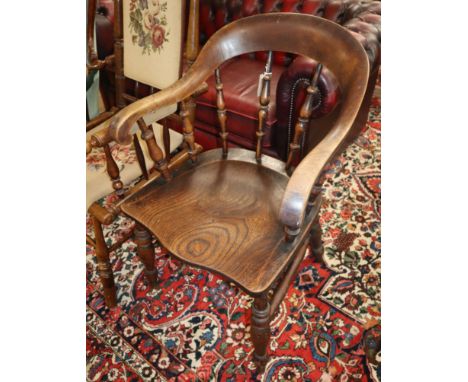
(158, 36)
(148, 24)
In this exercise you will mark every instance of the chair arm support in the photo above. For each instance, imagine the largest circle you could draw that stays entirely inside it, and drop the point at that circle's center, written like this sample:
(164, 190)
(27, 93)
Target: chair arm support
(307, 173)
(300, 185)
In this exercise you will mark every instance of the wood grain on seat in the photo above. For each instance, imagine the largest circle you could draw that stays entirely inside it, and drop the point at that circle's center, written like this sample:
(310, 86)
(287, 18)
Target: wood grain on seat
(221, 215)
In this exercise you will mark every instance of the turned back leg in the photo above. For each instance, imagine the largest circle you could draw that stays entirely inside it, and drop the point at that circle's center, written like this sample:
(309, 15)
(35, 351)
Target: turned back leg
(145, 250)
(260, 331)
(104, 268)
(316, 241)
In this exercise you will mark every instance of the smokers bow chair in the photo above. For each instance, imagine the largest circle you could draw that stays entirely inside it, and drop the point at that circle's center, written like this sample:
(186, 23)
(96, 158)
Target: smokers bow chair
(236, 212)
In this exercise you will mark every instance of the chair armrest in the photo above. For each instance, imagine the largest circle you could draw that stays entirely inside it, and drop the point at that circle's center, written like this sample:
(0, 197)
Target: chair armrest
(96, 121)
(120, 128)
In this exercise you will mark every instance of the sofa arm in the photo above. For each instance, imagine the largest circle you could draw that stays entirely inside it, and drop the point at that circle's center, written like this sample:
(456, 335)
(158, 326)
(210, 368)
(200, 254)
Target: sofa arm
(290, 95)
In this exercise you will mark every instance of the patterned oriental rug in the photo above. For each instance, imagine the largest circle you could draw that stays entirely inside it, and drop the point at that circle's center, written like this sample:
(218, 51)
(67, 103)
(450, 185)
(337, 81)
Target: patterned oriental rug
(196, 326)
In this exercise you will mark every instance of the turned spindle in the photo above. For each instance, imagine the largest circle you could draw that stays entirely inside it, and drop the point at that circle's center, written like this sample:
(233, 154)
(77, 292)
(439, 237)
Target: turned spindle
(221, 112)
(113, 170)
(145, 251)
(316, 241)
(140, 156)
(118, 52)
(166, 140)
(104, 268)
(188, 131)
(156, 154)
(264, 99)
(192, 47)
(136, 89)
(290, 233)
(310, 103)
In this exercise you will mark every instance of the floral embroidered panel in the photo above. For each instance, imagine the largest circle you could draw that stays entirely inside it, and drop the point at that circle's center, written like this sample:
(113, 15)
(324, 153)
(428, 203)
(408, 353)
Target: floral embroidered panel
(152, 41)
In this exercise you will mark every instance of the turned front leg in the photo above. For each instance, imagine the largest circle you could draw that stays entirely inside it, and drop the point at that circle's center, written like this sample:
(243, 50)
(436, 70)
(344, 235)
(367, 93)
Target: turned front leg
(104, 267)
(316, 241)
(145, 251)
(260, 331)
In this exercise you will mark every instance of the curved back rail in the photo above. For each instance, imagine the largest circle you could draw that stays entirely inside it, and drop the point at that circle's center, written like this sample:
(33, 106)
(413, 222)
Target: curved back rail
(301, 34)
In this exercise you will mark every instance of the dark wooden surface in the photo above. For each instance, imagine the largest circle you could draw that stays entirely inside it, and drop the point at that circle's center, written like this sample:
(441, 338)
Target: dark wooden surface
(221, 215)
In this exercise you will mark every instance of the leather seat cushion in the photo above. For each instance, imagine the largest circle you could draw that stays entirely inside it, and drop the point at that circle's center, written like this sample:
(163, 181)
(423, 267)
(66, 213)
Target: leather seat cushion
(240, 79)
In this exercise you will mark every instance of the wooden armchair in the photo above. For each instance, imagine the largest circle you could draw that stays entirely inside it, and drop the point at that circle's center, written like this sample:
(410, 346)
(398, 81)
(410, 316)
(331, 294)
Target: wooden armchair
(237, 212)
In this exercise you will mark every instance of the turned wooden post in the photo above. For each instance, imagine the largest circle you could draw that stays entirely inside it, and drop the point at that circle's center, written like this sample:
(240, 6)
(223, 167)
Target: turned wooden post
(192, 47)
(140, 156)
(92, 55)
(290, 233)
(145, 251)
(193, 37)
(264, 99)
(113, 170)
(188, 131)
(221, 105)
(155, 151)
(118, 52)
(260, 331)
(104, 268)
(136, 89)
(166, 140)
(304, 117)
(316, 241)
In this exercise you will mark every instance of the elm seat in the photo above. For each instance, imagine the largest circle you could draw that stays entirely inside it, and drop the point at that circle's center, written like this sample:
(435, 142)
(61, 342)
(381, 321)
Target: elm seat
(236, 204)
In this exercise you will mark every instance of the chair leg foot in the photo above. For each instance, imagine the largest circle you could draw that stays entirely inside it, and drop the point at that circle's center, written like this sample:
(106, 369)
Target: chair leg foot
(260, 331)
(107, 280)
(145, 250)
(316, 242)
(104, 267)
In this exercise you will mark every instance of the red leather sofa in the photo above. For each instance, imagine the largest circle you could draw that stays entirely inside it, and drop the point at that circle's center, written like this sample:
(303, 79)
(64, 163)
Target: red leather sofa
(290, 74)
